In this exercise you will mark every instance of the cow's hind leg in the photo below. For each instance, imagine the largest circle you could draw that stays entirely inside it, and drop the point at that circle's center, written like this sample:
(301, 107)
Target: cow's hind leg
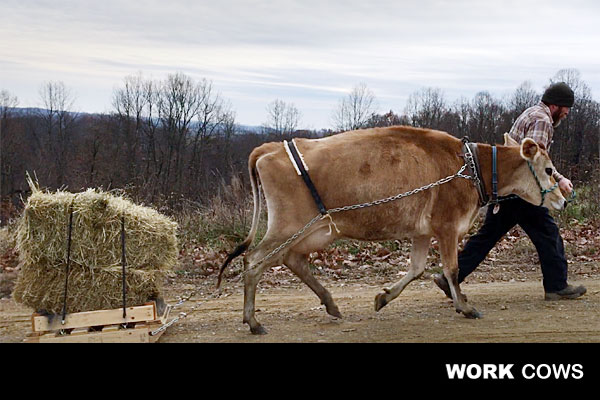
(298, 263)
(449, 255)
(252, 273)
(418, 257)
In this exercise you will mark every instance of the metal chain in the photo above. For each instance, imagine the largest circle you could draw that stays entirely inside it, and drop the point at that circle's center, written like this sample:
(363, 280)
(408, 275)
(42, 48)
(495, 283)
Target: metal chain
(406, 194)
(180, 316)
(319, 217)
(292, 238)
(472, 165)
(168, 324)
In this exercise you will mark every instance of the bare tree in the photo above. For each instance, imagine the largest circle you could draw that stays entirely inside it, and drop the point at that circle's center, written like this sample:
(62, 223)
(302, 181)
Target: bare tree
(388, 119)
(461, 111)
(130, 103)
(426, 107)
(283, 118)
(228, 130)
(152, 169)
(178, 104)
(354, 110)
(58, 121)
(213, 115)
(485, 118)
(577, 130)
(7, 103)
(523, 98)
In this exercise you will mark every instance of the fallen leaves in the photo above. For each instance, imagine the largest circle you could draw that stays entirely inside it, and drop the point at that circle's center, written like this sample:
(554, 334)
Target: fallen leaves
(513, 257)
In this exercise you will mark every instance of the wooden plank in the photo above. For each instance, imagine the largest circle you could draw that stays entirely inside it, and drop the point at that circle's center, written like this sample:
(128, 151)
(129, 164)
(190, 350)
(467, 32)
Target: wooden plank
(165, 316)
(79, 331)
(94, 318)
(152, 303)
(118, 336)
(31, 339)
(110, 328)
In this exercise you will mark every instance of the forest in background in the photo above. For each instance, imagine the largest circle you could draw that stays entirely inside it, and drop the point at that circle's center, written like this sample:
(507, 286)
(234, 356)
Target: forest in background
(175, 141)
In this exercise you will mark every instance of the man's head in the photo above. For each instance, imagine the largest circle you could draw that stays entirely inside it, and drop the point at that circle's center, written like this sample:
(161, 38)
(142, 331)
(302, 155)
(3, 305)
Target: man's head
(559, 98)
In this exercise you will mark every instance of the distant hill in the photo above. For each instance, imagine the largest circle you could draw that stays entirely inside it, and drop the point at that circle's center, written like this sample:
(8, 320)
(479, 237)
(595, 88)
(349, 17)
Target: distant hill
(22, 111)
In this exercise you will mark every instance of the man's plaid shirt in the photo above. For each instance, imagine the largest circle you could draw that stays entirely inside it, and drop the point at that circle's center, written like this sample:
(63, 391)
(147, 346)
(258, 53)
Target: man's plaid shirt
(535, 123)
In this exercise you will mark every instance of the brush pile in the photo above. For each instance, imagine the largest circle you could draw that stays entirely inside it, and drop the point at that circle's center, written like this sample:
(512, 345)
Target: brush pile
(95, 267)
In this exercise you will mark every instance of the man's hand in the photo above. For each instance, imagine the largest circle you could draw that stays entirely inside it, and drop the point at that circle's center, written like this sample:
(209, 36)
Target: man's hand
(565, 186)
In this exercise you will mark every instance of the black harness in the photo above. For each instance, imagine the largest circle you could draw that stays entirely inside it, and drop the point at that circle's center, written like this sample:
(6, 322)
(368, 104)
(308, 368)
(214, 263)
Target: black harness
(293, 151)
(475, 170)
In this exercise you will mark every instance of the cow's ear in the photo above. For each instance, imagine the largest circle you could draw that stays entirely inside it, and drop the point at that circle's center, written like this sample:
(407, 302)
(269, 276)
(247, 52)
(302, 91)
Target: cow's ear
(529, 149)
(508, 141)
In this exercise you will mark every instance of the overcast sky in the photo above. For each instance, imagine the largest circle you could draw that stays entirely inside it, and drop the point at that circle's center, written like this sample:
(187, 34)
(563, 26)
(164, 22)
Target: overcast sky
(310, 53)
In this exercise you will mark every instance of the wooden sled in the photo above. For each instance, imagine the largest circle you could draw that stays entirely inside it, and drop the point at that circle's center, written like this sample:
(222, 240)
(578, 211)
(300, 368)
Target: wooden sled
(141, 325)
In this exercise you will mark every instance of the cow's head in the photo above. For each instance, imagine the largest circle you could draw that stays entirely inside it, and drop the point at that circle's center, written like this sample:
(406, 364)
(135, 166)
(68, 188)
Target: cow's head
(535, 183)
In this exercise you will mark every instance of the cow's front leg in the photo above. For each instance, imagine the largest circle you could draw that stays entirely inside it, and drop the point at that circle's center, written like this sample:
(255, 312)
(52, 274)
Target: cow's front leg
(449, 255)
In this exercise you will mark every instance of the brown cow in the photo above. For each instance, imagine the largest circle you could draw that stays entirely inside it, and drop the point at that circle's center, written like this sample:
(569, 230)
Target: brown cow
(365, 165)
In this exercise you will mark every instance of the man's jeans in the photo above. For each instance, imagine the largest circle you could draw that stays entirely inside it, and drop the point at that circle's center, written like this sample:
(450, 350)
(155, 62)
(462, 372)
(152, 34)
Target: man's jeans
(539, 226)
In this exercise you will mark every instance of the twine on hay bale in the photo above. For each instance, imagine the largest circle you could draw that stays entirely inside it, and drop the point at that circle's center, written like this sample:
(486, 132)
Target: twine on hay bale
(41, 287)
(95, 273)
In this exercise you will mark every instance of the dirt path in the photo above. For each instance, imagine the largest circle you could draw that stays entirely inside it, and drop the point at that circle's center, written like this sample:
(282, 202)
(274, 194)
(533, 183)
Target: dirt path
(513, 312)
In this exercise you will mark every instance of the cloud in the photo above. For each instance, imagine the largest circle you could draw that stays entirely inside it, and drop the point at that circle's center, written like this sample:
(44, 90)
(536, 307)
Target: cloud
(304, 51)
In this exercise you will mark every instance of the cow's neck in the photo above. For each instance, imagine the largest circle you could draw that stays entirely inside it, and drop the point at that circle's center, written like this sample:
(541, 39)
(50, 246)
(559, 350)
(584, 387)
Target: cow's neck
(508, 159)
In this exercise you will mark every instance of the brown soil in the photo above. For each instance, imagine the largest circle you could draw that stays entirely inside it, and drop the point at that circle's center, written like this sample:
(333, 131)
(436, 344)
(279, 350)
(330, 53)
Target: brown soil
(514, 311)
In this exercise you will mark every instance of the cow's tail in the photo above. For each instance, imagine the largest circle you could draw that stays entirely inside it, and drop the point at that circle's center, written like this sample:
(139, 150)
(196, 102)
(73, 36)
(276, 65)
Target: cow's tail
(254, 181)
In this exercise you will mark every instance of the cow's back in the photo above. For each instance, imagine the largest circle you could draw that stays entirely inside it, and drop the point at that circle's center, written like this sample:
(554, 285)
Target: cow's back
(362, 166)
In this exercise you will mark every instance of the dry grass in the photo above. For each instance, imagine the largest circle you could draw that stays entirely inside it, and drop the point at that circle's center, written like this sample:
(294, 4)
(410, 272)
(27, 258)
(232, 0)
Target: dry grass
(221, 223)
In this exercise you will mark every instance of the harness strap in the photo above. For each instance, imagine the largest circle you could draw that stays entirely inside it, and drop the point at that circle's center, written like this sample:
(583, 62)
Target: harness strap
(484, 199)
(299, 165)
(479, 184)
(494, 176)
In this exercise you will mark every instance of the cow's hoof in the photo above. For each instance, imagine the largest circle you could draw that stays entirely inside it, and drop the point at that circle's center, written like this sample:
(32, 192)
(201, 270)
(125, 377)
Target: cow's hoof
(380, 301)
(258, 330)
(333, 311)
(473, 314)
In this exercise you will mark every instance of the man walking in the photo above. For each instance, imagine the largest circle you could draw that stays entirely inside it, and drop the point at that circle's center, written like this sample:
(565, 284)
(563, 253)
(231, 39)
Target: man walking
(538, 123)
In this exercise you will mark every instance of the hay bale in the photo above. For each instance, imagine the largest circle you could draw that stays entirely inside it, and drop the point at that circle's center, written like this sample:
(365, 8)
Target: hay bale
(41, 287)
(151, 241)
(95, 272)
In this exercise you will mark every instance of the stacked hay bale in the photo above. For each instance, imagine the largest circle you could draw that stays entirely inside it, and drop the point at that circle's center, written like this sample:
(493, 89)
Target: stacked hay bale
(95, 268)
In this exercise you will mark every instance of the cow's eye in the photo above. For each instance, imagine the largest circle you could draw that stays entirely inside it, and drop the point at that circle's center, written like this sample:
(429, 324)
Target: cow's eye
(549, 171)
